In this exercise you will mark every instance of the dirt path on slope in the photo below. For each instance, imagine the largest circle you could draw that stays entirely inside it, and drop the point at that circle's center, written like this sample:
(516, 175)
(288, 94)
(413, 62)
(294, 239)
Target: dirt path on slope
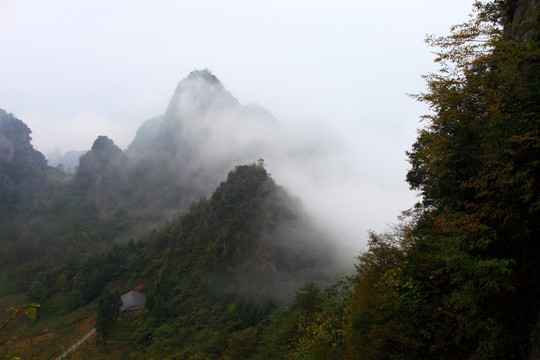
(79, 342)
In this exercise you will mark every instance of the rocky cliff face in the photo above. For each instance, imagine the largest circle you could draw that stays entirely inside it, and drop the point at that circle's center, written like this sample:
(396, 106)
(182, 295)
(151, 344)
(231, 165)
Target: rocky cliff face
(104, 163)
(524, 16)
(22, 168)
(102, 176)
(15, 144)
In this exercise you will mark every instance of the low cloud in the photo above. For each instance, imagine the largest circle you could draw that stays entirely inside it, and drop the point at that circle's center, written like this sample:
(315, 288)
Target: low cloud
(76, 132)
(212, 132)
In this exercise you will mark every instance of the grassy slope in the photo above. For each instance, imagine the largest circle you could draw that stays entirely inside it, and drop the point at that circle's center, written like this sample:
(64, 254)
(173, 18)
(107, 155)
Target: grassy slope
(44, 338)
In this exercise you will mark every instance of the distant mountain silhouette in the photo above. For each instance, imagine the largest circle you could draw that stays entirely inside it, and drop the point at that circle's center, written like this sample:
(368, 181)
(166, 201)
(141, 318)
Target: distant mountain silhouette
(68, 161)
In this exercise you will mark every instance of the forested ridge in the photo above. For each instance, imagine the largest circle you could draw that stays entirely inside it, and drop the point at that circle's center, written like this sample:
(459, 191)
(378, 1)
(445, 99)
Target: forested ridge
(244, 273)
(460, 277)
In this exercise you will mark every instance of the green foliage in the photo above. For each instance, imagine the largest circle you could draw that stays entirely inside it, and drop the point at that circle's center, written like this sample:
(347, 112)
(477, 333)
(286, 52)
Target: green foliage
(162, 296)
(460, 279)
(449, 281)
(213, 273)
(30, 310)
(389, 316)
(308, 299)
(221, 268)
(241, 344)
(108, 310)
(313, 328)
(39, 288)
(247, 248)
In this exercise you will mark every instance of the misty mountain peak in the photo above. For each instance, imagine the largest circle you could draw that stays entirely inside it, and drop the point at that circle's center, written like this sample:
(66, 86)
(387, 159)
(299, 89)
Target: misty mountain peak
(199, 93)
(102, 176)
(104, 160)
(204, 74)
(104, 144)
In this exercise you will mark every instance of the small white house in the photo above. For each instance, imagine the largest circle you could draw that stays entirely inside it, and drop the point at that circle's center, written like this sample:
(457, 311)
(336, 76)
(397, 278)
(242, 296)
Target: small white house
(133, 300)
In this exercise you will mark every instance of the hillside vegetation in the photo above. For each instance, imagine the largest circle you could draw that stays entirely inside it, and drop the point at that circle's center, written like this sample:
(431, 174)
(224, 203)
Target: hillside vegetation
(242, 272)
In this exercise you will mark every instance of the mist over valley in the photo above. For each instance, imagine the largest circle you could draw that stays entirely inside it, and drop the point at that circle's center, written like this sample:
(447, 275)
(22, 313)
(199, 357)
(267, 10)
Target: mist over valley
(222, 221)
(177, 163)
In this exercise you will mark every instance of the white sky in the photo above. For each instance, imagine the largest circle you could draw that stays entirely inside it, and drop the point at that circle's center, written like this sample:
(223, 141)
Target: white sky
(73, 70)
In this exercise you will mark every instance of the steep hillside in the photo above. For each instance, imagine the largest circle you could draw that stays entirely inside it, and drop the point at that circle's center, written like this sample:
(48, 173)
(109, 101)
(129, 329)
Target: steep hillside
(225, 264)
(220, 268)
(251, 236)
(221, 265)
(117, 196)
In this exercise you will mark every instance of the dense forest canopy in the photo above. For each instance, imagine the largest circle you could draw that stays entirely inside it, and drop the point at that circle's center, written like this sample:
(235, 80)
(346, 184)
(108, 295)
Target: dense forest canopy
(245, 274)
(461, 277)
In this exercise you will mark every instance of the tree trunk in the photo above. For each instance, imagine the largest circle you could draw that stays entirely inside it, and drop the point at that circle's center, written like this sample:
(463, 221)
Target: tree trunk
(534, 341)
